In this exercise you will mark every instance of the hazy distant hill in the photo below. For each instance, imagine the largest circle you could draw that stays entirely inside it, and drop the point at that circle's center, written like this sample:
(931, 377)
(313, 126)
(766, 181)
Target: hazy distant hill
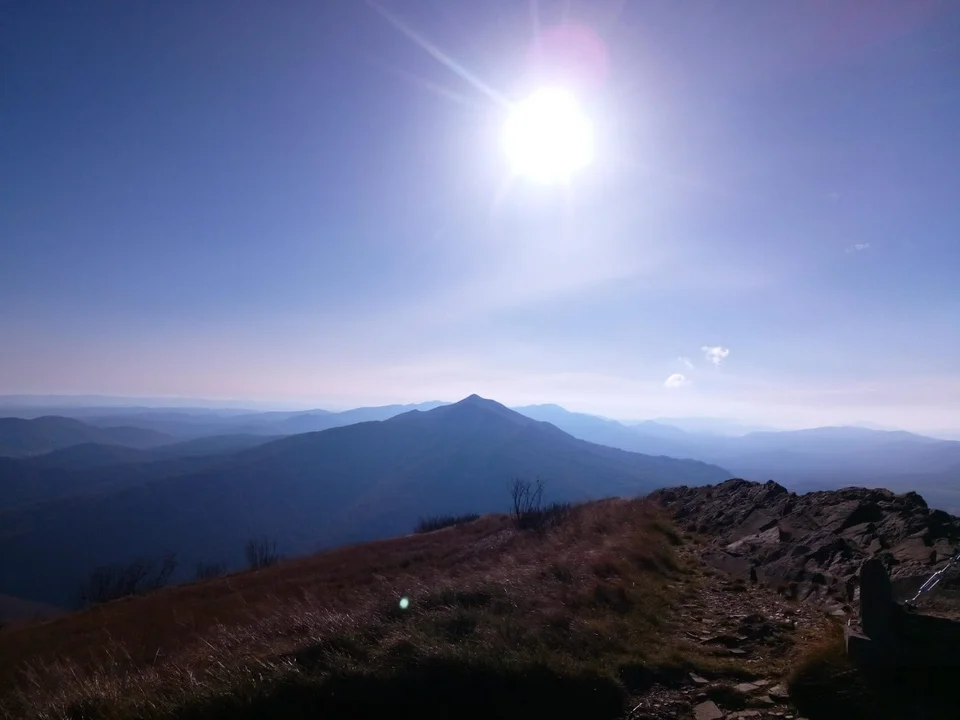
(838, 450)
(192, 423)
(793, 453)
(724, 427)
(346, 484)
(94, 455)
(94, 468)
(22, 438)
(87, 456)
(811, 459)
(314, 421)
(650, 438)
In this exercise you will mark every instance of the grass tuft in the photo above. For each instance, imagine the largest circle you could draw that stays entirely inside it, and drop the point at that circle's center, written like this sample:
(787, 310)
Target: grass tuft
(439, 522)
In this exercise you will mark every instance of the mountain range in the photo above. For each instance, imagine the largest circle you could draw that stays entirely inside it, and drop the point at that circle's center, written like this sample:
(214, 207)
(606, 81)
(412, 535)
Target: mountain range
(124, 483)
(20, 437)
(311, 490)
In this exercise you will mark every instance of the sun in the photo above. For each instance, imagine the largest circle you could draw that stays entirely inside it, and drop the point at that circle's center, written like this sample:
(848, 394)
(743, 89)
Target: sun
(547, 137)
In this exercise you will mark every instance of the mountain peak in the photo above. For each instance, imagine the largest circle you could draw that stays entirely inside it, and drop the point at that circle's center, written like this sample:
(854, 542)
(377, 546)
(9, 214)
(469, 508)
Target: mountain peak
(470, 406)
(482, 402)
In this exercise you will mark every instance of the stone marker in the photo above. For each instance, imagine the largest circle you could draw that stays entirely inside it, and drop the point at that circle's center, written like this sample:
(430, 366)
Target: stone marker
(877, 606)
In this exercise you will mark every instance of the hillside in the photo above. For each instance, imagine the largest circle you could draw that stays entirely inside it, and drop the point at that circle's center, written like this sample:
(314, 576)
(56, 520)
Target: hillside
(23, 438)
(309, 491)
(17, 610)
(481, 620)
(609, 611)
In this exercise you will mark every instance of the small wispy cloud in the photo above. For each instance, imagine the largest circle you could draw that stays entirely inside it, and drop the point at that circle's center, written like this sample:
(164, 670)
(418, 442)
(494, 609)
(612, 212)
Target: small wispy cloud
(858, 247)
(686, 362)
(676, 380)
(715, 354)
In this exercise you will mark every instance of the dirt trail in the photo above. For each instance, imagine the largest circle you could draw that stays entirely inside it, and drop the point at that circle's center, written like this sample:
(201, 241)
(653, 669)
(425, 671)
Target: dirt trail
(746, 637)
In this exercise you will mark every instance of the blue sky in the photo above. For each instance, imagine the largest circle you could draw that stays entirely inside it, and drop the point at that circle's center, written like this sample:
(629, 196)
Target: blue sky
(295, 202)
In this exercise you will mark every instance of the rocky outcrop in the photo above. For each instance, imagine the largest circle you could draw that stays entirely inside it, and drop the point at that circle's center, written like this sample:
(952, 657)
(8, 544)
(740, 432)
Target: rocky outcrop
(811, 546)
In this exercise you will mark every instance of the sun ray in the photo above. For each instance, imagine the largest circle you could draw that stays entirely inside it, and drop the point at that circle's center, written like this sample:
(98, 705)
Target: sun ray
(446, 92)
(503, 189)
(438, 54)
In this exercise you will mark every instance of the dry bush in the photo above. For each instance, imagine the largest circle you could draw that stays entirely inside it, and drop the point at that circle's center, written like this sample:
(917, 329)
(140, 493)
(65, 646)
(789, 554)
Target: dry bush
(111, 582)
(530, 511)
(209, 570)
(261, 553)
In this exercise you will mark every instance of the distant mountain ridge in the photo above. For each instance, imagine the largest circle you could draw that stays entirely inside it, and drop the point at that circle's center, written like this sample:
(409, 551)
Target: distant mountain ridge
(810, 459)
(23, 438)
(347, 484)
(814, 458)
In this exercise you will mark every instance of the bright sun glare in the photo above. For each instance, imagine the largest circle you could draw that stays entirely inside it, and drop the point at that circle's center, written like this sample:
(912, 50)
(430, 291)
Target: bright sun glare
(547, 137)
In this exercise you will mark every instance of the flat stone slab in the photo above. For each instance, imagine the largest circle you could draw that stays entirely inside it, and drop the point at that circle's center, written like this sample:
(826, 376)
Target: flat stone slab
(707, 711)
(778, 692)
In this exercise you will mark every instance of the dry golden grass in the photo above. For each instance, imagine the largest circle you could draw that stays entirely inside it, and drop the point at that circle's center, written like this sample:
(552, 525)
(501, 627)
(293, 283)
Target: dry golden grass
(500, 622)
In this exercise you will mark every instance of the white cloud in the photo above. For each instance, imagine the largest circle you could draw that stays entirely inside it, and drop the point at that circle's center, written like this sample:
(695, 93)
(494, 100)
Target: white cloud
(715, 354)
(858, 247)
(686, 362)
(676, 380)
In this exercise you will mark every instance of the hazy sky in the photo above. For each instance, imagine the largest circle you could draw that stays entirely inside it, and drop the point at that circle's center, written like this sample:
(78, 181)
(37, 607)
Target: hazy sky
(307, 202)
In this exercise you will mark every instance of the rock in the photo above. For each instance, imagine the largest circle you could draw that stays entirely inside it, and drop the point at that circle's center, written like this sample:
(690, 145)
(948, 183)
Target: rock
(729, 641)
(779, 692)
(746, 688)
(707, 711)
(745, 714)
(812, 545)
(698, 680)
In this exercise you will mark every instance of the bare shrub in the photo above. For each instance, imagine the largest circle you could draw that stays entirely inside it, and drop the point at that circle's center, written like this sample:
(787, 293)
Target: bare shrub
(210, 570)
(261, 553)
(529, 512)
(110, 582)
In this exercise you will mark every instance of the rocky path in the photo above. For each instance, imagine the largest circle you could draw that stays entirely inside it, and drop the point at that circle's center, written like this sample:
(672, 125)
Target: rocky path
(744, 638)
